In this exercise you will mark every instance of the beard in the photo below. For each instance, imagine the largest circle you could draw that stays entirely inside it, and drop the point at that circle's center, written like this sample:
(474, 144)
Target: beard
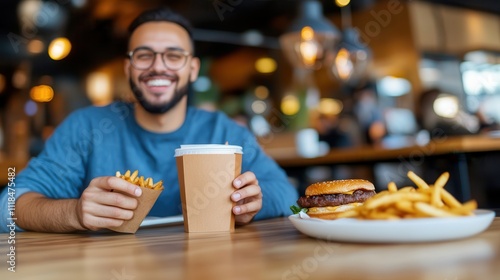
(157, 109)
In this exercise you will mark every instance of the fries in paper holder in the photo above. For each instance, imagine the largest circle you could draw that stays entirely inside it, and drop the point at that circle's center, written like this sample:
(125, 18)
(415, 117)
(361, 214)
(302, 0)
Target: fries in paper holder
(150, 193)
(140, 181)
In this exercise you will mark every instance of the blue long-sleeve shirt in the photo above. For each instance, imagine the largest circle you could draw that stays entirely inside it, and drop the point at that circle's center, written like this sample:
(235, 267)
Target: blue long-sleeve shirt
(98, 141)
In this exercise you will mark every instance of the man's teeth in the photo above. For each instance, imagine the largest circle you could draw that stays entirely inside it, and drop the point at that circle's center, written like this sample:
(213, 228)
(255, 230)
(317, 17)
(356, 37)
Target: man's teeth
(159, 83)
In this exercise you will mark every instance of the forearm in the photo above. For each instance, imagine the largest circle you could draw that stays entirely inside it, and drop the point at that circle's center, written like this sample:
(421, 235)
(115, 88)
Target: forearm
(36, 212)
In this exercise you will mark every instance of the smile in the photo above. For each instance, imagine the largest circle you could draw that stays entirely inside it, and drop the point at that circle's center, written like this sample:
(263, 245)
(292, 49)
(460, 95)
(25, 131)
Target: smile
(159, 83)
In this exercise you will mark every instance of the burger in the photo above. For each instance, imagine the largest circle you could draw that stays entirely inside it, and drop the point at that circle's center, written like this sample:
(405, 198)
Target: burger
(325, 200)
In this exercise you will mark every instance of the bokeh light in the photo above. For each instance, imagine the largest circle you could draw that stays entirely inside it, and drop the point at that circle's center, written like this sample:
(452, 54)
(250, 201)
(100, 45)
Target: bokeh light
(330, 106)
(42, 93)
(30, 108)
(446, 106)
(265, 65)
(59, 48)
(290, 105)
(35, 46)
(342, 3)
(261, 92)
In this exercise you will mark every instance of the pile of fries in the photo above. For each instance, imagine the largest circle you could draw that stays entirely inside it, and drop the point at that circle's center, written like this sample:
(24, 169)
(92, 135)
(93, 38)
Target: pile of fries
(140, 181)
(410, 202)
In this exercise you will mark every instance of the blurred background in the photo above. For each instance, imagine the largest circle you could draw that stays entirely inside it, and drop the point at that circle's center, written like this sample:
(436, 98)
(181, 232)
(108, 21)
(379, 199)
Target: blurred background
(346, 74)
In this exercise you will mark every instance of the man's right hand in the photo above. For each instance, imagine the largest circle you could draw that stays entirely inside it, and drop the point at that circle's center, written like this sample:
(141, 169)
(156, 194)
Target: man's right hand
(107, 202)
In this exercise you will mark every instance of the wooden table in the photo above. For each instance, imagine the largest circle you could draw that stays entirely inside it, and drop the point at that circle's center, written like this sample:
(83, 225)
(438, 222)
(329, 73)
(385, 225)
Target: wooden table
(270, 249)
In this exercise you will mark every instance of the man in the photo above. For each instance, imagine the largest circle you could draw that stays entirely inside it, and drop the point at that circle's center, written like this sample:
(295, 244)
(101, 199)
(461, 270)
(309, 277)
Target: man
(68, 187)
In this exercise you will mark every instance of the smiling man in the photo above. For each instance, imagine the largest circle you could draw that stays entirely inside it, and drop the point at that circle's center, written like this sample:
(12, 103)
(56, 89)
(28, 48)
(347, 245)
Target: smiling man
(68, 186)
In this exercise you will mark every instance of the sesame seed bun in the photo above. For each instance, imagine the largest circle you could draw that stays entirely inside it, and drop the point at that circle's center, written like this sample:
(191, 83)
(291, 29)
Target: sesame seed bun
(338, 186)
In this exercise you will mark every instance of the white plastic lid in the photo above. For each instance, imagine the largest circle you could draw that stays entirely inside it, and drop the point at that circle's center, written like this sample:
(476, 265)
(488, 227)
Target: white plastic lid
(201, 149)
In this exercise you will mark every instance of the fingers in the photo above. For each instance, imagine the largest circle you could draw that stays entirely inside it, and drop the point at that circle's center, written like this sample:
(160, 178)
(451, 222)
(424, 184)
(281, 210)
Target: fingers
(114, 183)
(115, 199)
(97, 223)
(112, 191)
(248, 197)
(107, 202)
(251, 207)
(248, 188)
(95, 217)
(247, 192)
(244, 179)
(244, 213)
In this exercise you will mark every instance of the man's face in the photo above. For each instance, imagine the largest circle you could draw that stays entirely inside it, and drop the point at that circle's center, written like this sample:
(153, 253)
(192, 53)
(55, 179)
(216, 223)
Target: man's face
(159, 88)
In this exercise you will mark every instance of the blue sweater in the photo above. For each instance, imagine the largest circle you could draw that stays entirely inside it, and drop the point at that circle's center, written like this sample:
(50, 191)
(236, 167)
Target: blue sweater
(98, 141)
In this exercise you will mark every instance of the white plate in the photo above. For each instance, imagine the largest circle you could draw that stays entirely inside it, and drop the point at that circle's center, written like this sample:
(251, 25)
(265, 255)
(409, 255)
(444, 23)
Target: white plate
(160, 221)
(394, 231)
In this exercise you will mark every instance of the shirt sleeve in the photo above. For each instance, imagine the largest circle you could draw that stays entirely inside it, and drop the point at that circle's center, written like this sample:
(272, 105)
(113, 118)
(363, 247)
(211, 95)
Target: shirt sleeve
(277, 191)
(11, 193)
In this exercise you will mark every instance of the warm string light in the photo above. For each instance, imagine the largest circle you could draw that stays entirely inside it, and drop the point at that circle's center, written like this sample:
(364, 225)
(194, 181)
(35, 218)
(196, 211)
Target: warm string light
(342, 3)
(308, 47)
(59, 48)
(42, 93)
(310, 37)
(313, 42)
(351, 57)
(343, 64)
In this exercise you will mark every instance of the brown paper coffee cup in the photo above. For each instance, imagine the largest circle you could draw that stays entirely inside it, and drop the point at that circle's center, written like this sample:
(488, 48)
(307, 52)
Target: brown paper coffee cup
(144, 204)
(206, 174)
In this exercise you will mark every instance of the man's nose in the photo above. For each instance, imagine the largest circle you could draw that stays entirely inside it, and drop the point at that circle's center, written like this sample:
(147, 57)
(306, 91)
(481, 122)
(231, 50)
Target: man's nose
(158, 63)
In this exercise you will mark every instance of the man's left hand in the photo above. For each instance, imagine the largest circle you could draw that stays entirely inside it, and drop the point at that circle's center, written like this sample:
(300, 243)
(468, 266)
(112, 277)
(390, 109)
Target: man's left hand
(248, 198)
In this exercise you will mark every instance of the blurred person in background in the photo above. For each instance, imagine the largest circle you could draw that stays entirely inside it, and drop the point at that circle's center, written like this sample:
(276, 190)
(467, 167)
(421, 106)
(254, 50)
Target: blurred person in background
(331, 130)
(369, 114)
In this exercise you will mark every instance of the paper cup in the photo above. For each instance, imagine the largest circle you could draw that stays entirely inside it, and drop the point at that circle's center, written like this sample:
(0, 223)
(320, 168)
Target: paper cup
(206, 174)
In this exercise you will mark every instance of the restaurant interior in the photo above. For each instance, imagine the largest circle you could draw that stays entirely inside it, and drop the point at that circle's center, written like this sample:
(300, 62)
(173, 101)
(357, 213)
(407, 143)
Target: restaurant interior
(331, 89)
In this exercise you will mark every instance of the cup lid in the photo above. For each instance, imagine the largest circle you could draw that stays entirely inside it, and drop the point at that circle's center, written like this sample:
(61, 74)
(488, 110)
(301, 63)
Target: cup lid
(200, 149)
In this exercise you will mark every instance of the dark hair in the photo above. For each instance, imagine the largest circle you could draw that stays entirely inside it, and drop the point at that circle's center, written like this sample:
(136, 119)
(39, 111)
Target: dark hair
(162, 14)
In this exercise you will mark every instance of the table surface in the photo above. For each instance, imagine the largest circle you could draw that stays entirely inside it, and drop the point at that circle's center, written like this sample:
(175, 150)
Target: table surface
(286, 156)
(269, 249)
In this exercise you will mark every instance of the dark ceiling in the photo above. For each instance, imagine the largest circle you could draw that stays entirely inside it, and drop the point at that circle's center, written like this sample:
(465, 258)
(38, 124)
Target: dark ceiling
(97, 29)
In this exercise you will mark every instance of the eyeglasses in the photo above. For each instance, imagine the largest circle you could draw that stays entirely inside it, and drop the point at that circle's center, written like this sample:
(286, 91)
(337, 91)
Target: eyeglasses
(143, 58)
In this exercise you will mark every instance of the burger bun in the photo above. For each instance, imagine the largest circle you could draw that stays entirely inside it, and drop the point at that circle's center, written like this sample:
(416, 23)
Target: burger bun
(330, 212)
(338, 186)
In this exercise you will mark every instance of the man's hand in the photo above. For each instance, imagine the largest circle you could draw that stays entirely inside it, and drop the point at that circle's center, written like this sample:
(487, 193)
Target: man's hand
(107, 202)
(248, 197)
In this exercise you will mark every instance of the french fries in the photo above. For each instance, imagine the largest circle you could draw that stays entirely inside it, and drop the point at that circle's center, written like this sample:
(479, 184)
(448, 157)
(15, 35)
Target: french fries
(140, 181)
(424, 200)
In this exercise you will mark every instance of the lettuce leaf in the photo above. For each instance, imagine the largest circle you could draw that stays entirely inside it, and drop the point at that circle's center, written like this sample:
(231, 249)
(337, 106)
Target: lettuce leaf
(296, 209)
